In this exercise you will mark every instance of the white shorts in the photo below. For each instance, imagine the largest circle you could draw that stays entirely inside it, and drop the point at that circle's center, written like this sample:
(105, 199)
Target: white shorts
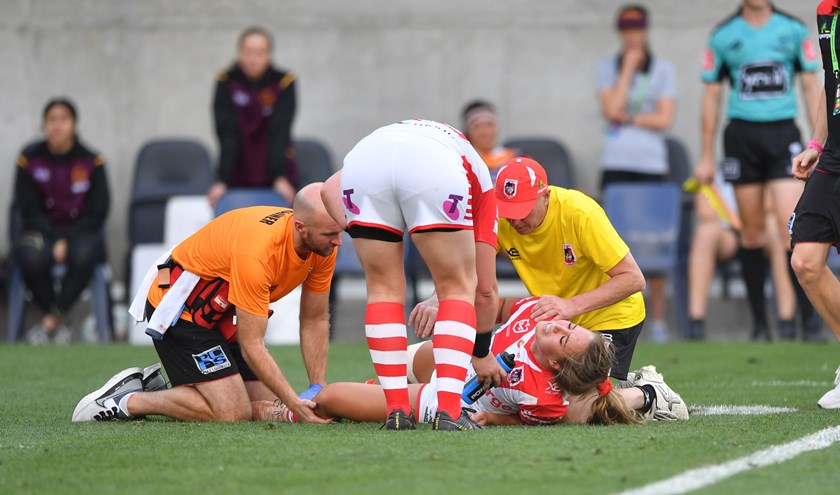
(427, 402)
(411, 352)
(398, 181)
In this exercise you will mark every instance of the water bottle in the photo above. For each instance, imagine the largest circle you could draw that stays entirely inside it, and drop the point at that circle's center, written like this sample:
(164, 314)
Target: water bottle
(473, 390)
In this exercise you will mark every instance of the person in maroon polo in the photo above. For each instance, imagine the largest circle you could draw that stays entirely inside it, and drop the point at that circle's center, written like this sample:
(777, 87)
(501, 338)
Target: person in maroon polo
(61, 192)
(254, 107)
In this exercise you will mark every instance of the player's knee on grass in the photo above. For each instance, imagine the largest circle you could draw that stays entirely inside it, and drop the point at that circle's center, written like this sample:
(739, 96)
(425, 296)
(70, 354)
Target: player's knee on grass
(232, 411)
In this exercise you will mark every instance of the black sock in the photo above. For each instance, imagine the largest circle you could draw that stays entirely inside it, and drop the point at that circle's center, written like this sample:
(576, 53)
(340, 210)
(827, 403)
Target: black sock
(650, 395)
(806, 309)
(754, 270)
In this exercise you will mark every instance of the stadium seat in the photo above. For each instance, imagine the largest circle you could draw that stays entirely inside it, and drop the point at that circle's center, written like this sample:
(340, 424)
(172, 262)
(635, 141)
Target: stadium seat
(347, 264)
(679, 169)
(17, 296)
(647, 216)
(552, 155)
(165, 168)
(314, 161)
(243, 198)
(184, 216)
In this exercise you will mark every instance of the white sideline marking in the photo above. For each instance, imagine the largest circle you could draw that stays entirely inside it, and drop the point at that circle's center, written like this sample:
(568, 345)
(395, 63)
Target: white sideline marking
(698, 478)
(739, 410)
(797, 383)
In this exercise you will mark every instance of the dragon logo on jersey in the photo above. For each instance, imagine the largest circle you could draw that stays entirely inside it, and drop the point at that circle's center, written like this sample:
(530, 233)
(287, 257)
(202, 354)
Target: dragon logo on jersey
(515, 376)
(521, 326)
(569, 256)
(510, 188)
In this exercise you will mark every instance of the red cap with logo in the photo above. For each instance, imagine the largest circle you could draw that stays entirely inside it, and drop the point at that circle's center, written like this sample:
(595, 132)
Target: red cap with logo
(519, 183)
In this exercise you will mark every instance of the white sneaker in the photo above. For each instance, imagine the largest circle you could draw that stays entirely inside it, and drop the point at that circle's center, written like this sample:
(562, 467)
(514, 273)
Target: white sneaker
(103, 404)
(37, 335)
(153, 379)
(63, 335)
(668, 405)
(831, 399)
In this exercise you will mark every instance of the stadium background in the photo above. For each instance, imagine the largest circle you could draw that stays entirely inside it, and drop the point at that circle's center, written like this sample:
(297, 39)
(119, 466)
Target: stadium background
(145, 69)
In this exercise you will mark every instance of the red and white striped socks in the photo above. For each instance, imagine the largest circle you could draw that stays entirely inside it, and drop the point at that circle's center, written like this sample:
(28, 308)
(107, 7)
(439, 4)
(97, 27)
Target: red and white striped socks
(387, 340)
(454, 337)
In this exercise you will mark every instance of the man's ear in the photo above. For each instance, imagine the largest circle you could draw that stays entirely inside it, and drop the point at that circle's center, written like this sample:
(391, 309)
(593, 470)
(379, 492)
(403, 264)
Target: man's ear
(299, 225)
(554, 364)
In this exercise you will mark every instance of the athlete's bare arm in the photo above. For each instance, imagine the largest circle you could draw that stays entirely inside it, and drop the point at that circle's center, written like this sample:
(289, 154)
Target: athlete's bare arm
(710, 110)
(489, 418)
(251, 333)
(804, 162)
(315, 334)
(331, 196)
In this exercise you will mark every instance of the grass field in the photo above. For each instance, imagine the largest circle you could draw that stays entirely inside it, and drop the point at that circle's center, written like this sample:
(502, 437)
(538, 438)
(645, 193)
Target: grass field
(42, 452)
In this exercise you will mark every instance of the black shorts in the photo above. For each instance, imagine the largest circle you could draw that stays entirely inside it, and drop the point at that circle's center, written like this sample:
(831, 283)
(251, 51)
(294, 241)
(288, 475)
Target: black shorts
(624, 342)
(192, 354)
(817, 214)
(757, 152)
(618, 176)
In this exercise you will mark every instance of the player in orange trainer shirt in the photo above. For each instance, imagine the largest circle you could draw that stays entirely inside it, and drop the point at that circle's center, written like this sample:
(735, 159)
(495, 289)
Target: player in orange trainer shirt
(218, 365)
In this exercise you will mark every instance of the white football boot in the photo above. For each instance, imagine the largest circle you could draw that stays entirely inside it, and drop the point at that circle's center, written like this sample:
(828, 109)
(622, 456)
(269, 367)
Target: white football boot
(831, 399)
(668, 405)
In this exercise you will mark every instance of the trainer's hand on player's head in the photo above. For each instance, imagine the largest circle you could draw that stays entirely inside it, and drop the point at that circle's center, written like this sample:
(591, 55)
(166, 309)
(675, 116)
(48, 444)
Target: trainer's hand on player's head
(553, 308)
(804, 162)
(305, 410)
(423, 317)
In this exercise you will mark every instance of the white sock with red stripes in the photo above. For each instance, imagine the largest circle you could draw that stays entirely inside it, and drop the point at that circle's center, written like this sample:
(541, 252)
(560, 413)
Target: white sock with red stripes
(453, 345)
(387, 340)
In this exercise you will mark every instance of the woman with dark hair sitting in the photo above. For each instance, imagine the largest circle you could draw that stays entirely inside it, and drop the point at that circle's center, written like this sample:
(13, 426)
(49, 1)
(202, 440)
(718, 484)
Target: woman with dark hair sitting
(61, 192)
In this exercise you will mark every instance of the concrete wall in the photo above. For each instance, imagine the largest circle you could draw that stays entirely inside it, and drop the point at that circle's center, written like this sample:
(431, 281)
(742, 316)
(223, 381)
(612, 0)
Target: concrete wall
(140, 69)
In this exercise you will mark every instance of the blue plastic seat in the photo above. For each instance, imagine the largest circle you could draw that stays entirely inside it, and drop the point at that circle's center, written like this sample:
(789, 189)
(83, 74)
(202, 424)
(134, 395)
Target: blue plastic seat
(17, 297)
(243, 198)
(648, 217)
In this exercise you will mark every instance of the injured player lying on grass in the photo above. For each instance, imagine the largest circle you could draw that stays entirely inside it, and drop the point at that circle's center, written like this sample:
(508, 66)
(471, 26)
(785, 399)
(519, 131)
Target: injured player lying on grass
(560, 375)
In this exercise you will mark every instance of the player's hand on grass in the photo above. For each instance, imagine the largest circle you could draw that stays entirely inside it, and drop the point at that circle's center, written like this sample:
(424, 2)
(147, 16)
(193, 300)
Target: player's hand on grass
(479, 417)
(423, 317)
(804, 163)
(488, 371)
(305, 411)
(553, 308)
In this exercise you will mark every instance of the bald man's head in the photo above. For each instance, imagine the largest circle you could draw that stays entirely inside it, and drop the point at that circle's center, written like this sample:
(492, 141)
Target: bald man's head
(318, 231)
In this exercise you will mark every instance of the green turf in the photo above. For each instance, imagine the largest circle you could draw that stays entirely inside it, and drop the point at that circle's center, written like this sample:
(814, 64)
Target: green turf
(42, 452)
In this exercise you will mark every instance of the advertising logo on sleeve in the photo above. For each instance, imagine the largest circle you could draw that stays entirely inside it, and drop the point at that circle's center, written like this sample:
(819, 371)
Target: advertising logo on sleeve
(708, 60)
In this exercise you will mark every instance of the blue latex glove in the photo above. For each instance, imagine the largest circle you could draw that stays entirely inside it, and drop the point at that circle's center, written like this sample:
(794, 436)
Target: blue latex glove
(311, 392)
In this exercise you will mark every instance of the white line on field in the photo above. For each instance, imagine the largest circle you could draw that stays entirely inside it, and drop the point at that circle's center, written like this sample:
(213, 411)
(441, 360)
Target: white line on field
(723, 410)
(698, 478)
(792, 383)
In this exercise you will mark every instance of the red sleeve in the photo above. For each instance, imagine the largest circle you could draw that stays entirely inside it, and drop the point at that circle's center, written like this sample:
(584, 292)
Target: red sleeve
(485, 217)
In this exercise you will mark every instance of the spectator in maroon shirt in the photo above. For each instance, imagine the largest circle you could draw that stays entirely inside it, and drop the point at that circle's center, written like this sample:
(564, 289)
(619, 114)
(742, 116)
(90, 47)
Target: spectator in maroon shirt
(61, 192)
(254, 106)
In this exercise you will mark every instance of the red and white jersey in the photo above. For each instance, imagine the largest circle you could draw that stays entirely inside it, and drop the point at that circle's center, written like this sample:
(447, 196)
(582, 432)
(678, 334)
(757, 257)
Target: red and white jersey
(530, 390)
